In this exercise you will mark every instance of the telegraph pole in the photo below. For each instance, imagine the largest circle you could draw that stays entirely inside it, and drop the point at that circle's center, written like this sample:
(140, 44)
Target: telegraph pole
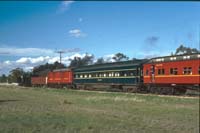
(199, 37)
(60, 52)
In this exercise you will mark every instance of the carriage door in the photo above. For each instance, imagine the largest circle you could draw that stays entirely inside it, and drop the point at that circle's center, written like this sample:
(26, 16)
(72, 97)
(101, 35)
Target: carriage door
(152, 73)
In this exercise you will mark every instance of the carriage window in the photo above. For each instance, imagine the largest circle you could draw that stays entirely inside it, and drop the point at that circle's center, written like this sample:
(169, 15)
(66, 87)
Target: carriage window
(161, 71)
(100, 75)
(134, 73)
(117, 74)
(187, 70)
(77, 76)
(173, 71)
(81, 76)
(147, 72)
(131, 74)
(90, 75)
(125, 74)
(199, 70)
(122, 73)
(110, 74)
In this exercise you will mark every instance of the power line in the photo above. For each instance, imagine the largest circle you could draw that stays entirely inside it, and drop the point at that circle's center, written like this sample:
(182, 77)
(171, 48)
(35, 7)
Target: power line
(60, 52)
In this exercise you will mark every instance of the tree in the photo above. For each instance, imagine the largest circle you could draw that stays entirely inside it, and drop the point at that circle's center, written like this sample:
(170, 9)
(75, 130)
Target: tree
(42, 70)
(100, 61)
(185, 50)
(3, 78)
(87, 59)
(26, 79)
(57, 65)
(77, 61)
(16, 74)
(120, 57)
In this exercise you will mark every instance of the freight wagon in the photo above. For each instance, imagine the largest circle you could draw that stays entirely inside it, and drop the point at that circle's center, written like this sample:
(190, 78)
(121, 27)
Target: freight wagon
(38, 81)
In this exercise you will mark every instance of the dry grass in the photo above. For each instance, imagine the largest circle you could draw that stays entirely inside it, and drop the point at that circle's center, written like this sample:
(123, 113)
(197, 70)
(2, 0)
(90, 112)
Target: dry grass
(49, 110)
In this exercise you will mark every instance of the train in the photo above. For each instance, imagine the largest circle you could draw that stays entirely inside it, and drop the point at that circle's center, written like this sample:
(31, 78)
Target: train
(175, 74)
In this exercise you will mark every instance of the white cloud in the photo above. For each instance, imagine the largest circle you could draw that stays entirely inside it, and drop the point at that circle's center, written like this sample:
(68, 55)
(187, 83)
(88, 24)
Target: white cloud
(28, 68)
(23, 60)
(25, 51)
(64, 6)
(36, 60)
(7, 62)
(109, 58)
(40, 59)
(80, 19)
(27, 63)
(76, 33)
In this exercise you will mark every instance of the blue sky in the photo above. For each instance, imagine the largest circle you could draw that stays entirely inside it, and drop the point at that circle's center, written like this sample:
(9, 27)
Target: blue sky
(34, 30)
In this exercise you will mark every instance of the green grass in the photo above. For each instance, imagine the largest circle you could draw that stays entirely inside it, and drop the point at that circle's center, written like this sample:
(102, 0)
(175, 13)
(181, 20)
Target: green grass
(24, 110)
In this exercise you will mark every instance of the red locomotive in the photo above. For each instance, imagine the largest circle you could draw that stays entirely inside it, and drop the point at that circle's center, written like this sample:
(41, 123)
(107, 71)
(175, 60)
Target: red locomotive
(60, 78)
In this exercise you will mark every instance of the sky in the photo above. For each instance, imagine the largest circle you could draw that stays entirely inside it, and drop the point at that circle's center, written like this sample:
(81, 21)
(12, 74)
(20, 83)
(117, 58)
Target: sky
(31, 32)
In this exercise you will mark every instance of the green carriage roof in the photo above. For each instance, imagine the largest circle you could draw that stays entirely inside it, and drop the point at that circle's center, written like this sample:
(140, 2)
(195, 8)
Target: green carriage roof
(135, 62)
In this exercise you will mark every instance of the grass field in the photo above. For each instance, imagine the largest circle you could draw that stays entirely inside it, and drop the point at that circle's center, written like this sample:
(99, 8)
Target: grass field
(24, 110)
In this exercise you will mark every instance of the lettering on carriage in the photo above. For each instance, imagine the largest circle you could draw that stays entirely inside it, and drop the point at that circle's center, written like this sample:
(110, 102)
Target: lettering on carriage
(99, 79)
(158, 65)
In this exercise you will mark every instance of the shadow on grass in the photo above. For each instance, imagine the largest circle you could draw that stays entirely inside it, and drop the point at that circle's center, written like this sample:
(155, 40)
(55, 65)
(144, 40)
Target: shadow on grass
(6, 101)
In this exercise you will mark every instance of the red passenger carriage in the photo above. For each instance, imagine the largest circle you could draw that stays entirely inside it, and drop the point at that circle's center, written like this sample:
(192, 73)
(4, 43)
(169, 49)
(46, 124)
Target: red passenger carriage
(181, 71)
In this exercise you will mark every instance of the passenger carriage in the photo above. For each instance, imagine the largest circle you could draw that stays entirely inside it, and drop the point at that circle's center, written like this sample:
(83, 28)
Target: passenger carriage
(173, 73)
(121, 76)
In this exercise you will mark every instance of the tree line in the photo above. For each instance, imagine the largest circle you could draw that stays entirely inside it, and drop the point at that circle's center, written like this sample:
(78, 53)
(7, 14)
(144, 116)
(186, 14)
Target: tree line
(16, 75)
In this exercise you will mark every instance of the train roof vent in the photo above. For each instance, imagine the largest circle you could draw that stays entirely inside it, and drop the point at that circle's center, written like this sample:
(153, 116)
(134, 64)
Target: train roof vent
(186, 57)
(172, 58)
(159, 59)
